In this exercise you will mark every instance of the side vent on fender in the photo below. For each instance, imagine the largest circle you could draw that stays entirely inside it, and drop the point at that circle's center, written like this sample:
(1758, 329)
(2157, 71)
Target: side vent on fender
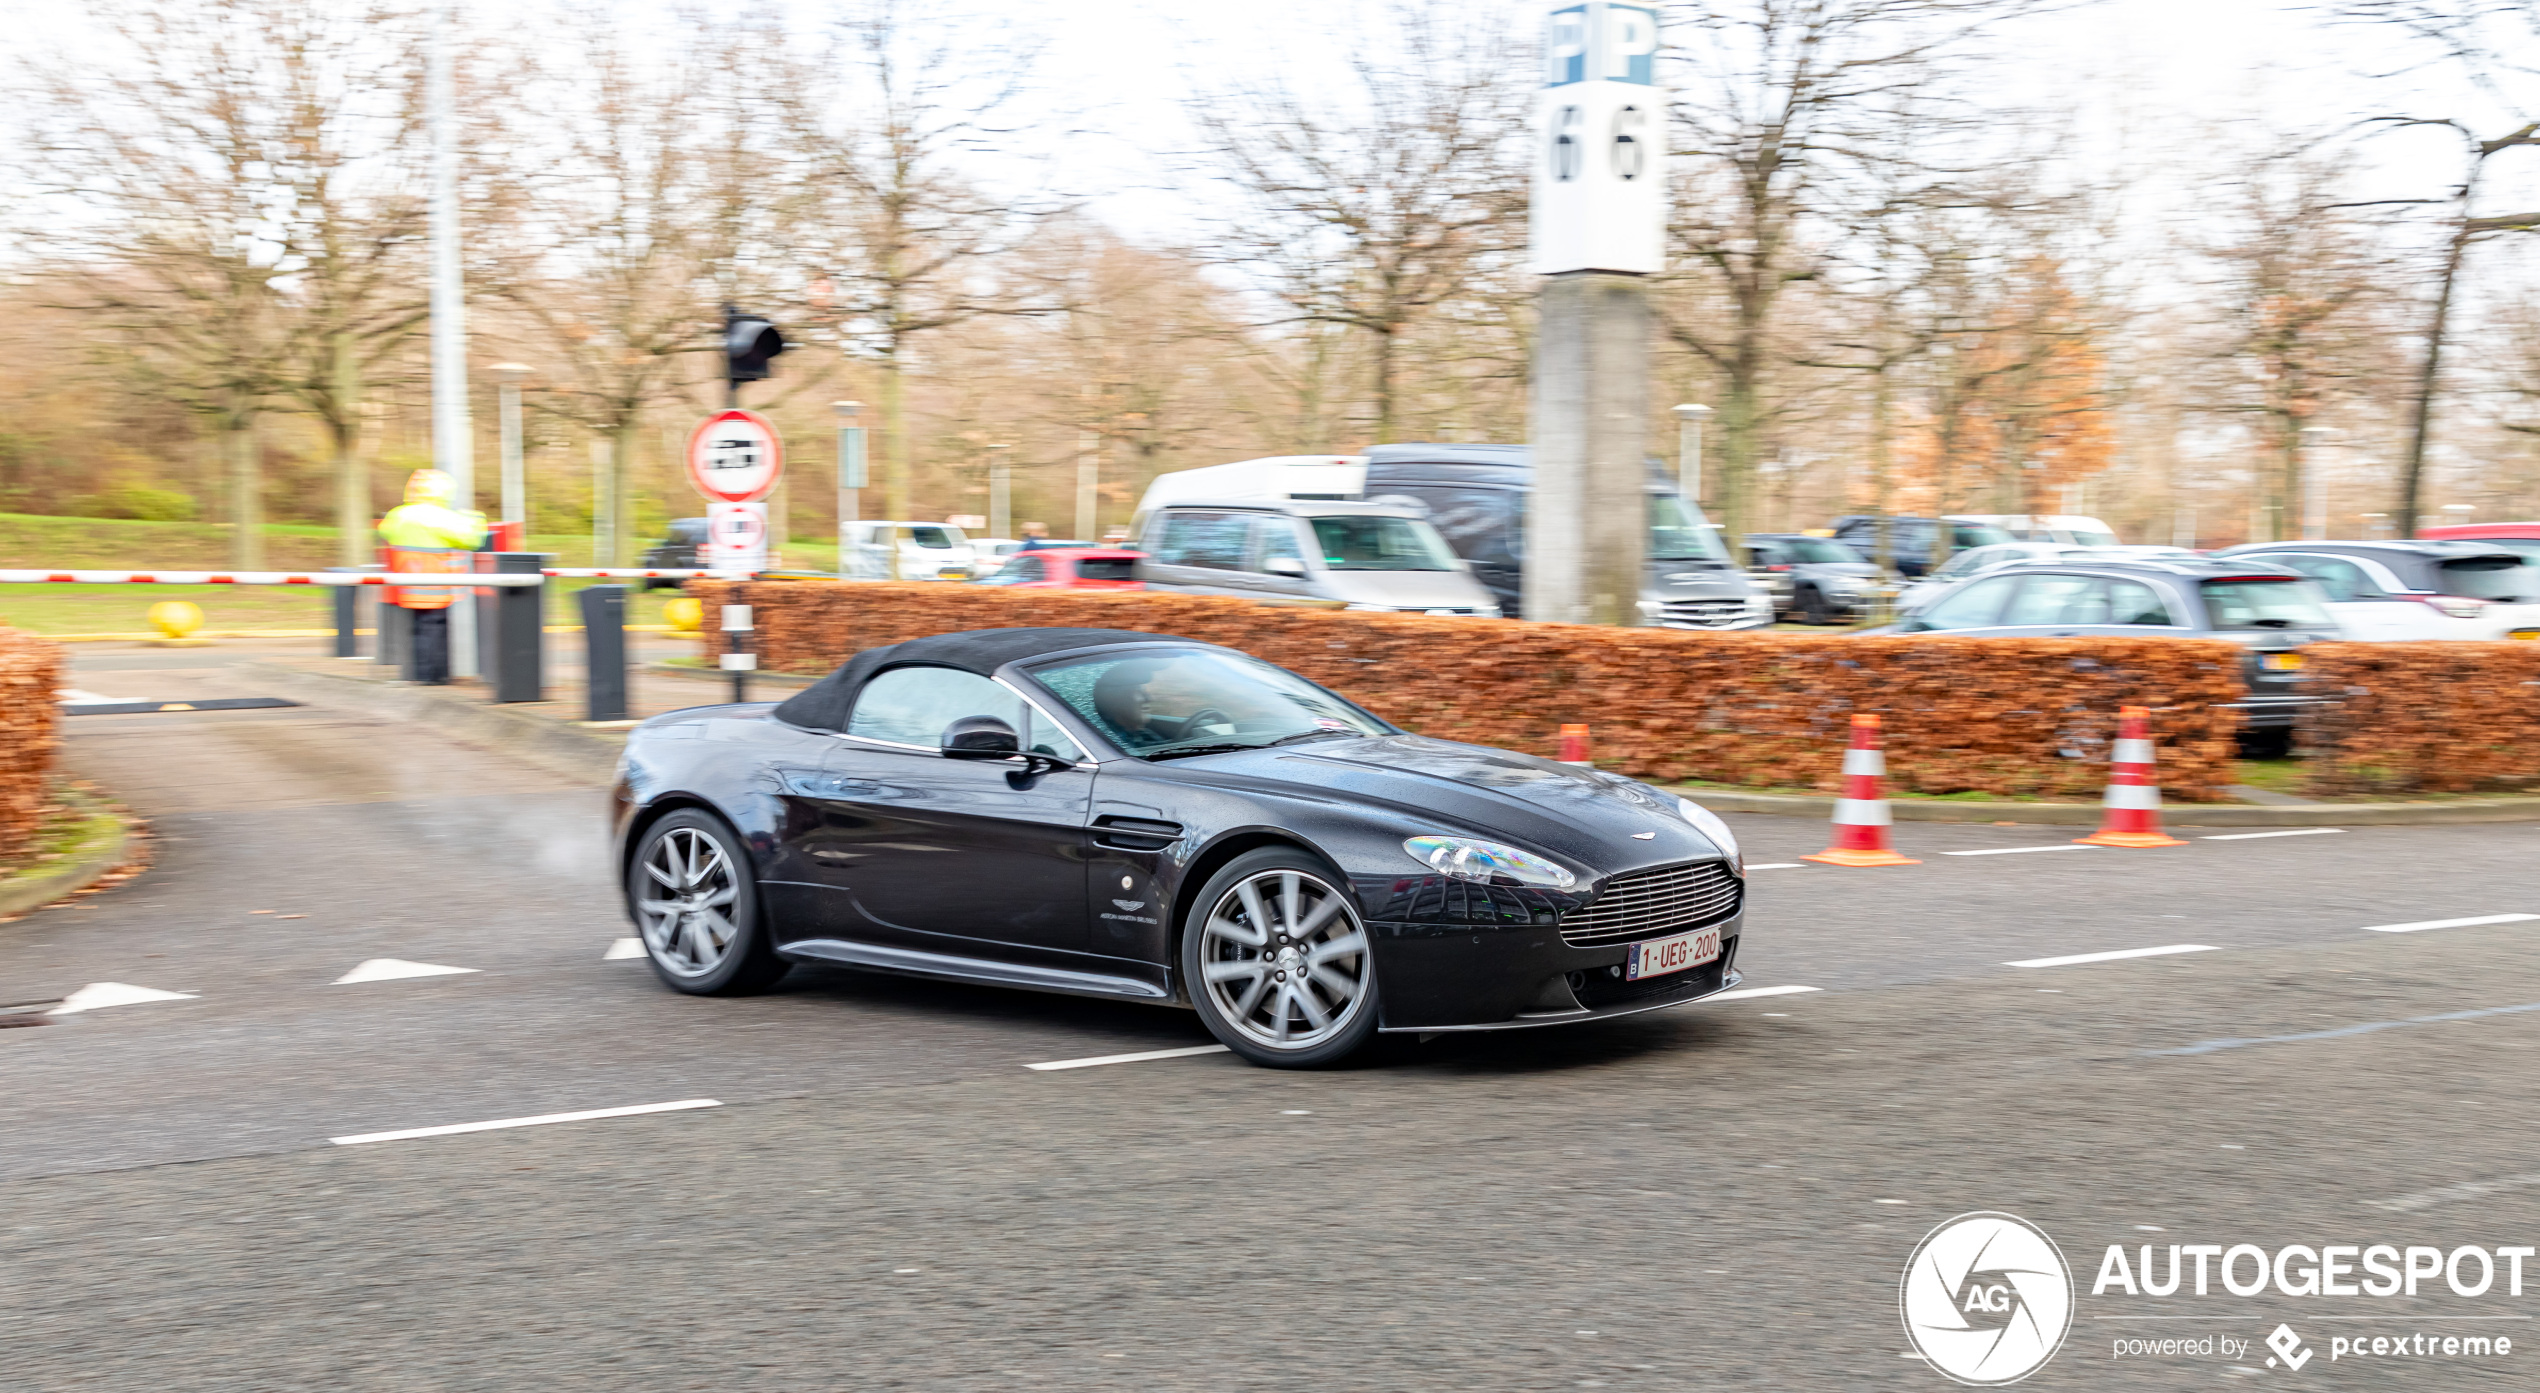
(1135, 833)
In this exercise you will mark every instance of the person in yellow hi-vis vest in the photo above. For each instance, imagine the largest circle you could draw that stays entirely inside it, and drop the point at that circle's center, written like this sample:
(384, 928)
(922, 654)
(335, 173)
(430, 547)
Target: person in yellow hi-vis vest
(426, 535)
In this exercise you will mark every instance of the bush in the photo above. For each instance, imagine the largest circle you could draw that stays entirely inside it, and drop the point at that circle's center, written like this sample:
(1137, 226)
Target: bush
(139, 502)
(2422, 718)
(30, 671)
(1998, 716)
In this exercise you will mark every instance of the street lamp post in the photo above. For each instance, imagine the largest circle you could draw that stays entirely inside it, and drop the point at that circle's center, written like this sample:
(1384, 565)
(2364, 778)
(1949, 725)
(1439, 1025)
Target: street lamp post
(2315, 483)
(1689, 419)
(515, 475)
(850, 478)
(1000, 490)
(452, 449)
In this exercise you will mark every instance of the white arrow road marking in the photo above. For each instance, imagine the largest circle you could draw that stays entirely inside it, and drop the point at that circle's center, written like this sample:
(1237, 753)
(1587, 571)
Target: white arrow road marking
(457, 1127)
(1139, 1057)
(2423, 925)
(97, 995)
(2016, 850)
(2120, 953)
(390, 969)
(623, 948)
(1744, 992)
(2253, 836)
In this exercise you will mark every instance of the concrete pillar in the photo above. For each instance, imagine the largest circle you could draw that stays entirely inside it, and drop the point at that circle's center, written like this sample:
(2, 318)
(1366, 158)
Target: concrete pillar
(1586, 522)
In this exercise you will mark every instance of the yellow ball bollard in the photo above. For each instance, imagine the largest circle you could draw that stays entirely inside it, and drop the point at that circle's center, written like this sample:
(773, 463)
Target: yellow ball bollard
(176, 621)
(685, 615)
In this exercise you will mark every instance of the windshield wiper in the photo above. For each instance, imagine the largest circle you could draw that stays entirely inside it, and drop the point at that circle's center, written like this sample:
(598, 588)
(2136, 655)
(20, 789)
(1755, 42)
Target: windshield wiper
(1177, 751)
(1314, 735)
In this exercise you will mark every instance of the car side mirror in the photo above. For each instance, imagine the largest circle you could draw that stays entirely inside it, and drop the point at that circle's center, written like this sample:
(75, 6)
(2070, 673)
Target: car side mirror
(981, 737)
(1284, 566)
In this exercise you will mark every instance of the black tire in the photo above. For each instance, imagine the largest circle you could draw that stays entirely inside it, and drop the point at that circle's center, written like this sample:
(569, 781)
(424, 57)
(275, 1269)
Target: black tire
(1200, 945)
(1813, 608)
(675, 942)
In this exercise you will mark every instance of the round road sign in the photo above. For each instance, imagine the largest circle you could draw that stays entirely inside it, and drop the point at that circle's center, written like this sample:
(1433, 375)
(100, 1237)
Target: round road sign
(735, 457)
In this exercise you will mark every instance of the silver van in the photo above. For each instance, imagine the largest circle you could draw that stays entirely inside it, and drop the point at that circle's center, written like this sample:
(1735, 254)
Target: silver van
(1367, 556)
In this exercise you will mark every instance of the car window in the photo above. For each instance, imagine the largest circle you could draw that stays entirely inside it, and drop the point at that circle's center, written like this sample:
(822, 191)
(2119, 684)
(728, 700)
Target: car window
(2133, 602)
(2488, 578)
(1967, 563)
(1277, 539)
(2258, 602)
(2529, 547)
(1106, 568)
(1978, 536)
(913, 705)
(931, 538)
(1766, 553)
(1213, 540)
(1821, 549)
(1381, 544)
(2341, 578)
(2057, 599)
(1679, 532)
(1020, 570)
(1972, 605)
(1478, 523)
(1152, 704)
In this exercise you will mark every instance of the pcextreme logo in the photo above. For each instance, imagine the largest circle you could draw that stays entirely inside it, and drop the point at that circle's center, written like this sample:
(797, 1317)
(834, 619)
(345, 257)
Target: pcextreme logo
(1987, 1298)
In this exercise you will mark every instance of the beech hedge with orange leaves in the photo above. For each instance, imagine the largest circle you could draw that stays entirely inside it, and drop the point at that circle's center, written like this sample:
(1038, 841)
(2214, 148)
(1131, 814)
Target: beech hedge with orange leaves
(2000, 716)
(30, 714)
(2422, 718)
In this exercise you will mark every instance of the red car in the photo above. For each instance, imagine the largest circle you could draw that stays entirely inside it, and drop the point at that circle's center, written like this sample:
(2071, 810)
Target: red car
(1069, 568)
(2523, 537)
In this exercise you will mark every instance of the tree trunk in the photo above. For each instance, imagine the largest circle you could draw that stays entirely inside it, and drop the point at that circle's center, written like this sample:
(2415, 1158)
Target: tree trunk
(621, 495)
(1739, 409)
(246, 501)
(352, 472)
(1384, 387)
(2412, 477)
(895, 490)
(1882, 467)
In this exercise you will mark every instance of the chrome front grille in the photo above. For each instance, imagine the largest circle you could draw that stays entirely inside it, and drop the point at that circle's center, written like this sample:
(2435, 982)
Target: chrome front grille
(1646, 904)
(1700, 614)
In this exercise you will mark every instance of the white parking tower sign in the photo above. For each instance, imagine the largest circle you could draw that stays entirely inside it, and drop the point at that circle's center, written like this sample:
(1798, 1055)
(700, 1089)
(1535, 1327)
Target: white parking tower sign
(1600, 166)
(735, 457)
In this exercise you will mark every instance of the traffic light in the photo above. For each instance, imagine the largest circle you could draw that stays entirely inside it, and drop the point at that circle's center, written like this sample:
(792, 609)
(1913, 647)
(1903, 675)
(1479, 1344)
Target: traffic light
(748, 343)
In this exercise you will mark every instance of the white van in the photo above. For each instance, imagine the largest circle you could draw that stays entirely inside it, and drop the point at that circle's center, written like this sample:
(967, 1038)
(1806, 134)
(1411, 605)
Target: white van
(928, 551)
(1270, 479)
(2070, 529)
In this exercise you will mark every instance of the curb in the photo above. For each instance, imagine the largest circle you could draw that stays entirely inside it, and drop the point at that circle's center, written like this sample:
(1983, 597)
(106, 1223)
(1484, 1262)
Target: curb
(2172, 814)
(84, 868)
(559, 744)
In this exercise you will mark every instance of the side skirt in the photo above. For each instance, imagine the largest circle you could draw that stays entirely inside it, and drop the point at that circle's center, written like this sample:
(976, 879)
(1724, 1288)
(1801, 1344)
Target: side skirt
(948, 968)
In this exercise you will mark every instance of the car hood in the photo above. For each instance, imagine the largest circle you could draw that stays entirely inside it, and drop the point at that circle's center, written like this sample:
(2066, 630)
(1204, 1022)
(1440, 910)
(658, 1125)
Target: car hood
(1678, 580)
(1596, 823)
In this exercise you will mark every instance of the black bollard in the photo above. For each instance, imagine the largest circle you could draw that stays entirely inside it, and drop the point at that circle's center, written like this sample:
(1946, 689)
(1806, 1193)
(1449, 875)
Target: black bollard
(604, 651)
(518, 625)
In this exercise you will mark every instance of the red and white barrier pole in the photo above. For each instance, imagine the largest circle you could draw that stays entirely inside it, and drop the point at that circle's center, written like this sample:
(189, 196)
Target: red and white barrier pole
(2133, 801)
(254, 578)
(622, 573)
(1860, 815)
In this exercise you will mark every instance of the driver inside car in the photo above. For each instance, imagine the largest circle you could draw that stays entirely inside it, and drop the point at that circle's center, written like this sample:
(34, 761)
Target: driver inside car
(1122, 700)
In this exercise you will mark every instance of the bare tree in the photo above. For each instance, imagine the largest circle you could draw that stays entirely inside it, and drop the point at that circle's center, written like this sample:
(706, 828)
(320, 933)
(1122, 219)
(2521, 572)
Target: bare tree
(2489, 41)
(1371, 208)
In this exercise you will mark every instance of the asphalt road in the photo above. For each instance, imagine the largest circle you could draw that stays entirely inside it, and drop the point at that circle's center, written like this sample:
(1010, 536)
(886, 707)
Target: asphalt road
(1723, 1195)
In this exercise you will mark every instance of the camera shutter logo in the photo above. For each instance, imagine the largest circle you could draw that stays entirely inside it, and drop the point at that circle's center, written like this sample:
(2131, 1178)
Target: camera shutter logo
(1987, 1298)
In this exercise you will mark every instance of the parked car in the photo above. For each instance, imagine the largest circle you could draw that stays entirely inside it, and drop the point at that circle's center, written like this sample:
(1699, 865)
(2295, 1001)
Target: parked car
(927, 551)
(1150, 819)
(2417, 590)
(676, 551)
(1813, 578)
(2048, 527)
(1068, 568)
(1375, 556)
(1967, 563)
(1909, 539)
(2270, 610)
(2522, 537)
(988, 553)
(1476, 494)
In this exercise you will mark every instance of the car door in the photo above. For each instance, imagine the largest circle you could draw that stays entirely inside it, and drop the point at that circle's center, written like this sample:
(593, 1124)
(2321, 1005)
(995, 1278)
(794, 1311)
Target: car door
(970, 858)
(2052, 604)
(2359, 599)
(1197, 552)
(1275, 539)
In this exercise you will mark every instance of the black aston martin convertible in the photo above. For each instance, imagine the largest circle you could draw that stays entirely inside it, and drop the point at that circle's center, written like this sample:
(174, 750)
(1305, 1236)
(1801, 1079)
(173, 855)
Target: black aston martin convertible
(1144, 817)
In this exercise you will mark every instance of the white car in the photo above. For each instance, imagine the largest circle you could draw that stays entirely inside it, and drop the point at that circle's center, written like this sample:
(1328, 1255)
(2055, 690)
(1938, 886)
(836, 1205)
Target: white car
(927, 551)
(2417, 590)
(2068, 528)
(1985, 558)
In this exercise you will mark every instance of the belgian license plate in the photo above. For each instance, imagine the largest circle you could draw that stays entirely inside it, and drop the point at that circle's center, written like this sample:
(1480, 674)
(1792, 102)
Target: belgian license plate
(2525, 634)
(1660, 956)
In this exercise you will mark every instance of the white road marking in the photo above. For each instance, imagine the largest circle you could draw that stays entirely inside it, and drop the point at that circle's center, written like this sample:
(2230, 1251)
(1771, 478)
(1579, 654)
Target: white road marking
(2015, 850)
(1296, 1112)
(1744, 992)
(623, 948)
(98, 995)
(457, 1127)
(2112, 957)
(1778, 866)
(1137, 1058)
(2423, 925)
(390, 969)
(73, 696)
(2253, 836)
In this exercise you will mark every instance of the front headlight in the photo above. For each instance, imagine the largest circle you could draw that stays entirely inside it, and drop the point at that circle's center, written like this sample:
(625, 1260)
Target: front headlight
(1464, 858)
(1709, 824)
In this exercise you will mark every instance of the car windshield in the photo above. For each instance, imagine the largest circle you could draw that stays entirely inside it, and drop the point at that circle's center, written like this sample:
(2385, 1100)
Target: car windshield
(2086, 538)
(1161, 706)
(1807, 549)
(1381, 544)
(1677, 532)
(932, 538)
(1978, 535)
(2259, 603)
(2490, 578)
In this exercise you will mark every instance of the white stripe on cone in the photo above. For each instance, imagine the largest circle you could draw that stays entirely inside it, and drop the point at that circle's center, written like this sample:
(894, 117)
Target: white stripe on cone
(2136, 796)
(2133, 752)
(1861, 812)
(1864, 762)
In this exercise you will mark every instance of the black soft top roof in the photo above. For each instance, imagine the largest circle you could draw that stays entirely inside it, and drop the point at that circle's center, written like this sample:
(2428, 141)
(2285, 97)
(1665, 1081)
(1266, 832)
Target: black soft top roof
(824, 704)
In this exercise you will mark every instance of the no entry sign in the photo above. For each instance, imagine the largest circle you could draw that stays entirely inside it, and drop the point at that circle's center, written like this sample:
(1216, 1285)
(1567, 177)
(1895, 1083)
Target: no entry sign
(736, 537)
(735, 457)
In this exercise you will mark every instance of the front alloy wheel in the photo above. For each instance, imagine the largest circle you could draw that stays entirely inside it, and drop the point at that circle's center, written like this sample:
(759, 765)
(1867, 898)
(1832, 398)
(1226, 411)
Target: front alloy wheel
(696, 905)
(1279, 962)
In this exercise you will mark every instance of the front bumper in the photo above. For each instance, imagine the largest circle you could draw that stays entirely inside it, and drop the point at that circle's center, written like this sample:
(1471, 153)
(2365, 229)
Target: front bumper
(2263, 712)
(1439, 977)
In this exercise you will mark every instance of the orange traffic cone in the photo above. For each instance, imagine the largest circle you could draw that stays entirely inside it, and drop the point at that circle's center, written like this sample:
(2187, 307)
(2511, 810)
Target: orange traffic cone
(1574, 746)
(2134, 794)
(1860, 815)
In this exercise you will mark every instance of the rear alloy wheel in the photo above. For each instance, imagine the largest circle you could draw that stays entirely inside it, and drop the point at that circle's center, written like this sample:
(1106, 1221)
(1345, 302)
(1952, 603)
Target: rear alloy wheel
(1278, 962)
(695, 903)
